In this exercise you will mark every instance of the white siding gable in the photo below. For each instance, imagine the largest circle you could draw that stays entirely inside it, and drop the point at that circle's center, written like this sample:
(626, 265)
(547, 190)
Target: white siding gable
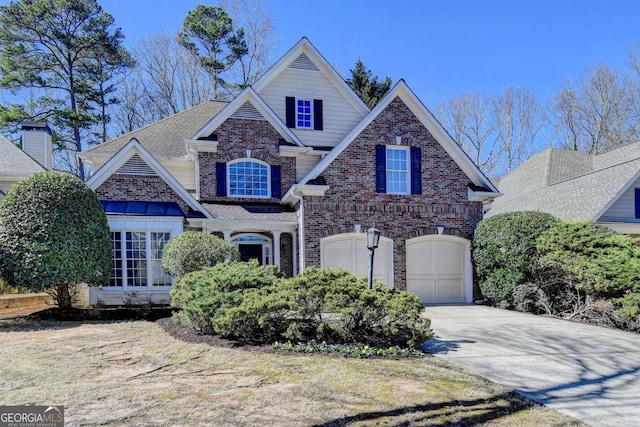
(339, 116)
(625, 207)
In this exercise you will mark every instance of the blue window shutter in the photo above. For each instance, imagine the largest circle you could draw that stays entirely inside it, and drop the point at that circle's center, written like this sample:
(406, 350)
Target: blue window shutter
(637, 202)
(275, 181)
(221, 179)
(381, 168)
(317, 114)
(416, 170)
(291, 111)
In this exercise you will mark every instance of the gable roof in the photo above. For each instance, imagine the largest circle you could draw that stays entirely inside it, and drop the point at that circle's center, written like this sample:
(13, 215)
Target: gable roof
(305, 52)
(131, 149)
(165, 138)
(250, 96)
(401, 90)
(15, 163)
(570, 185)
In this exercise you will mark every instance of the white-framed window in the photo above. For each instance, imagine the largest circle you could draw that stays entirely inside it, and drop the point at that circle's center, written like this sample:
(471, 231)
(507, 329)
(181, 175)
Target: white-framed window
(248, 178)
(304, 113)
(137, 258)
(398, 170)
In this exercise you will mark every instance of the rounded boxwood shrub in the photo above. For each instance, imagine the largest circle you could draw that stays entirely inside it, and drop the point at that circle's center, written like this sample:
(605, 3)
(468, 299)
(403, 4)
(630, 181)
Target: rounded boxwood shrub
(54, 235)
(505, 254)
(195, 250)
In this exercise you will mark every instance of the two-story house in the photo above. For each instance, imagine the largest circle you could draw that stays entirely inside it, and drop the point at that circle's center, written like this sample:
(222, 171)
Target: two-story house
(292, 172)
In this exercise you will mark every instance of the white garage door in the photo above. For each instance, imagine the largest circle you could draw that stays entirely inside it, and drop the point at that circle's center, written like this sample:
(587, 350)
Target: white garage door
(349, 251)
(439, 269)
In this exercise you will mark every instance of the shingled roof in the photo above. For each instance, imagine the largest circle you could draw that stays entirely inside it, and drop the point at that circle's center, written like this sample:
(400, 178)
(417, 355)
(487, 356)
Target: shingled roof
(570, 185)
(165, 138)
(14, 162)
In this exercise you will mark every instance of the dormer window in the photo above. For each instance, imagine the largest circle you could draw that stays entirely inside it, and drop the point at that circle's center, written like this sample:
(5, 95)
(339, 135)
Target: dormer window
(303, 113)
(248, 178)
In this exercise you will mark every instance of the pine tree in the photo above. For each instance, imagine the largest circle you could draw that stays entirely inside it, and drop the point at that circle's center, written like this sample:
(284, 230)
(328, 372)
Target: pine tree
(208, 33)
(367, 86)
(65, 55)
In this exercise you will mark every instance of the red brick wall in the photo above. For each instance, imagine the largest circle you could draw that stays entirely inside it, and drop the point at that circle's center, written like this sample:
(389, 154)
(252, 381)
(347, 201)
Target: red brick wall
(352, 197)
(142, 188)
(235, 136)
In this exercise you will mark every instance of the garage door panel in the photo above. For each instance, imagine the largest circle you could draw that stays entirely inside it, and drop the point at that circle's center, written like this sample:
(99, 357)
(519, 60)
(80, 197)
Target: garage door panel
(450, 290)
(338, 254)
(350, 252)
(420, 258)
(436, 268)
(425, 289)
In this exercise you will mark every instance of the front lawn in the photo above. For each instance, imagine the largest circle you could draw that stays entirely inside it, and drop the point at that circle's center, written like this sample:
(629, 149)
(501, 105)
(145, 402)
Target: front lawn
(134, 373)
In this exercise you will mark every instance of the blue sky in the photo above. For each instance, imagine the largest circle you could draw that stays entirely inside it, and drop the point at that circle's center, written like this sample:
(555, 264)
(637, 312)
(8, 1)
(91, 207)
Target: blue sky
(441, 48)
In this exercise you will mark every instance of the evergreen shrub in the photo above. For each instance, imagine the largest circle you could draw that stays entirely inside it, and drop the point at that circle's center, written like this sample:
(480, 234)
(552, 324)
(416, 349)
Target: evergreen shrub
(195, 250)
(320, 304)
(505, 254)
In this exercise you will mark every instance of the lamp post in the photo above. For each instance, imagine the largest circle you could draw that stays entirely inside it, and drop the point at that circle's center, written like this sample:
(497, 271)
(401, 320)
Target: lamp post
(373, 238)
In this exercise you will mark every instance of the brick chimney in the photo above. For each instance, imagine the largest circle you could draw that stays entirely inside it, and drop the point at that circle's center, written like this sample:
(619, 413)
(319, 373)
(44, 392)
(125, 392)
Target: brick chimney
(36, 142)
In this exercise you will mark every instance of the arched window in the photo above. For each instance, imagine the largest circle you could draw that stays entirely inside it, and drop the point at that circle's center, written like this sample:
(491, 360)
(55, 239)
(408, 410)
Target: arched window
(248, 178)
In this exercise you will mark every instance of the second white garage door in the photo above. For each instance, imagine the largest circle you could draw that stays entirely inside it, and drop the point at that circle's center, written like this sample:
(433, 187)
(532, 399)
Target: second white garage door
(439, 269)
(349, 251)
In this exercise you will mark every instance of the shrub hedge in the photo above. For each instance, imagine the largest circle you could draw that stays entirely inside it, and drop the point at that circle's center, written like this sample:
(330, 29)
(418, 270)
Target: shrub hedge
(530, 261)
(505, 254)
(325, 305)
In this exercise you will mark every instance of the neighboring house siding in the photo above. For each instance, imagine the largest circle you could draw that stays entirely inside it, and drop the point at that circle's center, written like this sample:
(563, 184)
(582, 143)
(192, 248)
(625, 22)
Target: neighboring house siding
(352, 197)
(625, 206)
(339, 116)
(140, 188)
(235, 136)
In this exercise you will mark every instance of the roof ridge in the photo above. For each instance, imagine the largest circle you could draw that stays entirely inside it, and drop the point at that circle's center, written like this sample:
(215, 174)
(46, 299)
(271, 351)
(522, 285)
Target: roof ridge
(616, 148)
(595, 171)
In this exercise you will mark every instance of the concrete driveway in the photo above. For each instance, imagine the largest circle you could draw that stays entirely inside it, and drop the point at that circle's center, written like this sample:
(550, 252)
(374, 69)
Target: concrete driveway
(587, 372)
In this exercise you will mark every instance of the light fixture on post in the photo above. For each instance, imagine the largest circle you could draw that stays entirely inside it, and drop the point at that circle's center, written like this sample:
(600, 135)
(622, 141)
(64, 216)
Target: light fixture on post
(373, 238)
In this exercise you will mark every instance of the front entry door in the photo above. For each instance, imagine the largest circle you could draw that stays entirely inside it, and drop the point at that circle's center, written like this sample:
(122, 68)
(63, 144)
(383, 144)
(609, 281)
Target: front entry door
(250, 251)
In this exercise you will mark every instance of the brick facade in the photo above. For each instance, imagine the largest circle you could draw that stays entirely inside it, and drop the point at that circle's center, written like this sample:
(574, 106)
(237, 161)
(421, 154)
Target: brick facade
(352, 197)
(235, 136)
(139, 188)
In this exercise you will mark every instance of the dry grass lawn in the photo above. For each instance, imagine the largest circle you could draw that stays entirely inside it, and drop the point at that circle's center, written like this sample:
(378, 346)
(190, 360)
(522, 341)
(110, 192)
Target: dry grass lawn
(133, 373)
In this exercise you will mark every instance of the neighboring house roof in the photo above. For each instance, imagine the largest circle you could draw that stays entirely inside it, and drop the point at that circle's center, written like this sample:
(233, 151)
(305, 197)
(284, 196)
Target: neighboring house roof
(15, 163)
(570, 185)
(164, 139)
(402, 91)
